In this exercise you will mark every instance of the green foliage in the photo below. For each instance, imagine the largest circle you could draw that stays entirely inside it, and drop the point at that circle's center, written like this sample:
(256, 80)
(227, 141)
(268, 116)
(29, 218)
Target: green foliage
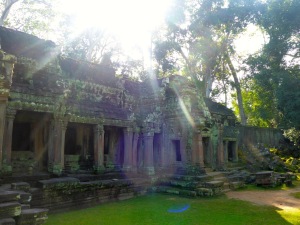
(31, 16)
(296, 195)
(91, 45)
(275, 75)
(259, 113)
(293, 135)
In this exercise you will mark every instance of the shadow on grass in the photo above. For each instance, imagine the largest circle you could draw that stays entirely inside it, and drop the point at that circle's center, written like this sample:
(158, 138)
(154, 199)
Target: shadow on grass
(154, 209)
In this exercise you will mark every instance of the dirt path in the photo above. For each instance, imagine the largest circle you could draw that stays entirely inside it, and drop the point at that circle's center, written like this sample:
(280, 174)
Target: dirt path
(281, 199)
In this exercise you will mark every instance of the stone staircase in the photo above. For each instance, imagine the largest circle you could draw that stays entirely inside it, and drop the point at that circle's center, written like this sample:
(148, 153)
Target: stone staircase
(15, 207)
(210, 183)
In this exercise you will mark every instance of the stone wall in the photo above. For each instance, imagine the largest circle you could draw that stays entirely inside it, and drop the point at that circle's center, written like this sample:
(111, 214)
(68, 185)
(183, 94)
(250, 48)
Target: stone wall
(252, 136)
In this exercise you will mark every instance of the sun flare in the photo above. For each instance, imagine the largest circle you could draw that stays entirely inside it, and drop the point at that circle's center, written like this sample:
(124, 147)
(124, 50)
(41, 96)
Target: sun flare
(131, 20)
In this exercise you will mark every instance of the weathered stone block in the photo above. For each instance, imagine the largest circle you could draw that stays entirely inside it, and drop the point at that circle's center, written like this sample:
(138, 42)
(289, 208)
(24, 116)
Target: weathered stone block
(32, 217)
(9, 209)
(24, 186)
(204, 192)
(7, 221)
(9, 196)
(58, 183)
(188, 193)
(25, 197)
(172, 191)
(214, 184)
(236, 185)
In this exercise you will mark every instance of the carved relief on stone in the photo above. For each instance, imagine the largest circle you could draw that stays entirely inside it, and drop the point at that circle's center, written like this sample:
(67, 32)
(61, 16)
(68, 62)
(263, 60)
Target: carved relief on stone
(6, 72)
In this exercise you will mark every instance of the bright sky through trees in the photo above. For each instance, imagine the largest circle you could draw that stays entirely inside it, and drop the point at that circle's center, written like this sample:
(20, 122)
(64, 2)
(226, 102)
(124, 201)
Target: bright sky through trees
(131, 20)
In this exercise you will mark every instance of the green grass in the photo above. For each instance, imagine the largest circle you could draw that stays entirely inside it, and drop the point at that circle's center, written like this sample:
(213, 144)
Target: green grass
(296, 195)
(153, 209)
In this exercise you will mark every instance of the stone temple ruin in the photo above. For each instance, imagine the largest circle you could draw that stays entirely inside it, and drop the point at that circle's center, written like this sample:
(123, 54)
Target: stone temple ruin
(63, 116)
(59, 115)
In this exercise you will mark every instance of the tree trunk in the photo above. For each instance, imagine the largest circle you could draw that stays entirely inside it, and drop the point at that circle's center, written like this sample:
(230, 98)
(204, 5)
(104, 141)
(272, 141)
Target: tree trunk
(238, 90)
(5, 12)
(208, 83)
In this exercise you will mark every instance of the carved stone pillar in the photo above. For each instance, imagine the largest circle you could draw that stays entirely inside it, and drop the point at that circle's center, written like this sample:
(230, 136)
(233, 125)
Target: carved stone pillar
(98, 148)
(148, 154)
(135, 150)
(198, 152)
(226, 144)
(128, 148)
(220, 149)
(59, 126)
(6, 71)
(50, 144)
(3, 101)
(7, 142)
(235, 152)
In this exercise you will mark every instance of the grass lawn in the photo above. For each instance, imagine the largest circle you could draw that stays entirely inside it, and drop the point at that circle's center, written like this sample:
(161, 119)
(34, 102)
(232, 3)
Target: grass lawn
(170, 210)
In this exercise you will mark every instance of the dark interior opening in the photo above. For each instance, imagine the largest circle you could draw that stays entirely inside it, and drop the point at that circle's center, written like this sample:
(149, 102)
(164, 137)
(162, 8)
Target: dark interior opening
(231, 145)
(70, 142)
(176, 144)
(156, 150)
(205, 143)
(21, 137)
(106, 142)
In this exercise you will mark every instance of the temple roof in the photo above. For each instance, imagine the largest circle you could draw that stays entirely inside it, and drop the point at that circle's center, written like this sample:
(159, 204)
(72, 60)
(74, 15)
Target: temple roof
(22, 44)
(218, 108)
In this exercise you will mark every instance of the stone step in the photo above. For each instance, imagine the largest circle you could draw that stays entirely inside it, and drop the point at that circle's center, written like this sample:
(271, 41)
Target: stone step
(236, 185)
(225, 190)
(9, 209)
(217, 174)
(23, 186)
(214, 184)
(7, 221)
(175, 191)
(181, 184)
(9, 196)
(32, 216)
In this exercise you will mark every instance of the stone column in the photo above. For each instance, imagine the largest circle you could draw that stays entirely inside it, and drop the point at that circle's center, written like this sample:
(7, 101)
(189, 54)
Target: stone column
(50, 145)
(148, 154)
(226, 151)
(135, 150)
(198, 152)
(3, 101)
(235, 152)
(7, 142)
(58, 135)
(128, 151)
(220, 148)
(98, 148)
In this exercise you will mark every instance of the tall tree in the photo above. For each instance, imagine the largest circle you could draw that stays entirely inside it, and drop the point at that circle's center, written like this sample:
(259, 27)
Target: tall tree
(206, 43)
(30, 16)
(275, 70)
(91, 45)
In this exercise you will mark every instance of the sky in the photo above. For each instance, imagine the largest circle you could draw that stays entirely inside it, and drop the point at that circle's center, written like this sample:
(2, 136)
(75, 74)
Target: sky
(131, 20)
